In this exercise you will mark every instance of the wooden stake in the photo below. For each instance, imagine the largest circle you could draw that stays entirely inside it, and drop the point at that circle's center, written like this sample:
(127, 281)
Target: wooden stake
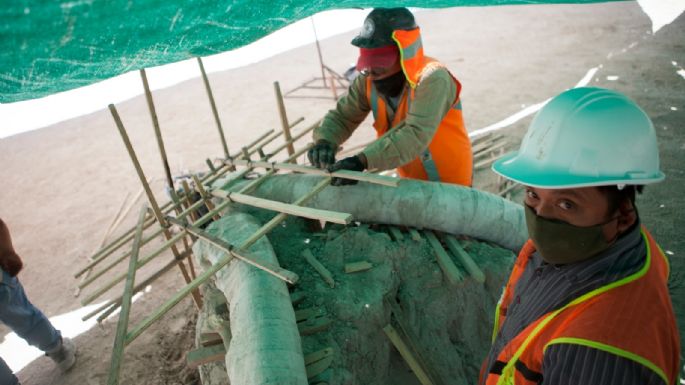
(346, 174)
(284, 118)
(169, 304)
(448, 267)
(321, 269)
(122, 325)
(213, 105)
(406, 353)
(465, 259)
(153, 202)
(243, 255)
(304, 212)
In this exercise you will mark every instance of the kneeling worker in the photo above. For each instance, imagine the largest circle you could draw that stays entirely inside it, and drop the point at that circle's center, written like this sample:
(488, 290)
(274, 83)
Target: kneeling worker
(587, 301)
(415, 104)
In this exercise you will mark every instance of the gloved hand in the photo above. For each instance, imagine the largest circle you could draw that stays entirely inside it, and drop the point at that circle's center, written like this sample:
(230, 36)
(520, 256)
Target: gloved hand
(353, 163)
(322, 155)
(10, 263)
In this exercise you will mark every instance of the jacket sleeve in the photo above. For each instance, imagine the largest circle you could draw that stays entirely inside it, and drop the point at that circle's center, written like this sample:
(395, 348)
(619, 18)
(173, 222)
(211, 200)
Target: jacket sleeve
(569, 364)
(351, 110)
(433, 98)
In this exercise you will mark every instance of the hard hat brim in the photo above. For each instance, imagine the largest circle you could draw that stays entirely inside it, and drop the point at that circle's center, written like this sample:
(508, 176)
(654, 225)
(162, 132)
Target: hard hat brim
(535, 174)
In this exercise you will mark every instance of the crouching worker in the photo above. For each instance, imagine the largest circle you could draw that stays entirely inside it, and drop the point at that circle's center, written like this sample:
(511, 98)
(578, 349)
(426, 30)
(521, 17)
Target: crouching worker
(415, 103)
(25, 319)
(587, 301)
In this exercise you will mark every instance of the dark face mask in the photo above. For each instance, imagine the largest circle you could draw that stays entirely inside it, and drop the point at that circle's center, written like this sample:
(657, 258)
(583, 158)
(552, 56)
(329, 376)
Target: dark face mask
(392, 85)
(561, 243)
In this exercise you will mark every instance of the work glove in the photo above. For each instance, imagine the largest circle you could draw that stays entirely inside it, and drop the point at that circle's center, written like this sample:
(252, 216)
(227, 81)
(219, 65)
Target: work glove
(353, 163)
(322, 155)
(10, 263)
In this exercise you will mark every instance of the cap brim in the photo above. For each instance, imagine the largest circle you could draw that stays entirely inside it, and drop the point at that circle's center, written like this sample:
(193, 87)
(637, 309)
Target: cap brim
(534, 174)
(381, 60)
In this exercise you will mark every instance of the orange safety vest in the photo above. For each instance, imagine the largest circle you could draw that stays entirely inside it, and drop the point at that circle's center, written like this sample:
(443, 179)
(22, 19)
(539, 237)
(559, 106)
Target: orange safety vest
(448, 157)
(631, 317)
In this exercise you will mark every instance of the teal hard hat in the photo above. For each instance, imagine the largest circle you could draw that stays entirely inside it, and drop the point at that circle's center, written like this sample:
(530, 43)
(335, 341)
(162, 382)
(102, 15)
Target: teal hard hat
(380, 24)
(585, 137)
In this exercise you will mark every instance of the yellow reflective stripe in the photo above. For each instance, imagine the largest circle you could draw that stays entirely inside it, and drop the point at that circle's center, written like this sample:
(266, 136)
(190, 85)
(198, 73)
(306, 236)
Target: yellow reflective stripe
(495, 329)
(411, 83)
(668, 263)
(613, 350)
(509, 368)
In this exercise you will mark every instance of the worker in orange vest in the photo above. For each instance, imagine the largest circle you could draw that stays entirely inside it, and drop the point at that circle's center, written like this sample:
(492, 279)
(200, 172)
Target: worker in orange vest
(587, 301)
(415, 103)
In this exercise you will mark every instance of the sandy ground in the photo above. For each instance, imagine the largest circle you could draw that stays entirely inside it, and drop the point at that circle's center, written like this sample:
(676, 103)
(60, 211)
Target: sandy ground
(62, 185)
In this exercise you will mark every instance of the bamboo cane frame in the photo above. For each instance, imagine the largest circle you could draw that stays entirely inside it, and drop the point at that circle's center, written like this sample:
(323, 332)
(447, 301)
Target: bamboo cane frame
(153, 202)
(159, 312)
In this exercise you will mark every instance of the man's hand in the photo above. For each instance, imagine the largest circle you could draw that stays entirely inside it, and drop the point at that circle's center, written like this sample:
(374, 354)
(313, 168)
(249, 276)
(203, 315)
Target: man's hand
(11, 263)
(353, 163)
(322, 155)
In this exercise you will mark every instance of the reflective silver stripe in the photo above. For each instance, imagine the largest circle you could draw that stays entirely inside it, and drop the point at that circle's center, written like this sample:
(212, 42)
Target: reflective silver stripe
(410, 52)
(429, 166)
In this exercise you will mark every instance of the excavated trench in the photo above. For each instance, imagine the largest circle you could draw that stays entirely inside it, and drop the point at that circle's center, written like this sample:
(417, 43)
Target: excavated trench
(313, 333)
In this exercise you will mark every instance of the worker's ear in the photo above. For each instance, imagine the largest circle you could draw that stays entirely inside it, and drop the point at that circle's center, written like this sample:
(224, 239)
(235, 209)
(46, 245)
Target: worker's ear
(627, 215)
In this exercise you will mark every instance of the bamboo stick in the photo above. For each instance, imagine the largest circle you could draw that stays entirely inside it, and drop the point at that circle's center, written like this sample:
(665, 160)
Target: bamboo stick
(121, 242)
(243, 255)
(513, 186)
(158, 131)
(295, 138)
(117, 261)
(448, 267)
(305, 212)
(210, 164)
(489, 150)
(406, 353)
(128, 235)
(412, 341)
(321, 269)
(159, 312)
(346, 174)
(284, 118)
(213, 105)
(142, 262)
(104, 239)
(351, 149)
(122, 325)
(114, 304)
(260, 138)
(415, 235)
(465, 259)
(205, 196)
(151, 198)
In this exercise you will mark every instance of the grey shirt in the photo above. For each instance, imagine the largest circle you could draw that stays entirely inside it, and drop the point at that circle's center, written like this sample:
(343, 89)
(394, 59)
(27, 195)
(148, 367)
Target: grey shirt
(543, 288)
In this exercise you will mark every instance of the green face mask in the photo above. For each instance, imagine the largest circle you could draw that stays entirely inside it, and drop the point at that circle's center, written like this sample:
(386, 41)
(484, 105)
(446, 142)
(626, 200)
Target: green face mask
(561, 243)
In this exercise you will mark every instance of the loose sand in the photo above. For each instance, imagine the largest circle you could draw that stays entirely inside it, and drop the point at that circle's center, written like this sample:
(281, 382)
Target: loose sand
(63, 184)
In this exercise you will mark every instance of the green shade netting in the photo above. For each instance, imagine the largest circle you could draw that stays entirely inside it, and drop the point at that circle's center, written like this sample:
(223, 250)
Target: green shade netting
(48, 46)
